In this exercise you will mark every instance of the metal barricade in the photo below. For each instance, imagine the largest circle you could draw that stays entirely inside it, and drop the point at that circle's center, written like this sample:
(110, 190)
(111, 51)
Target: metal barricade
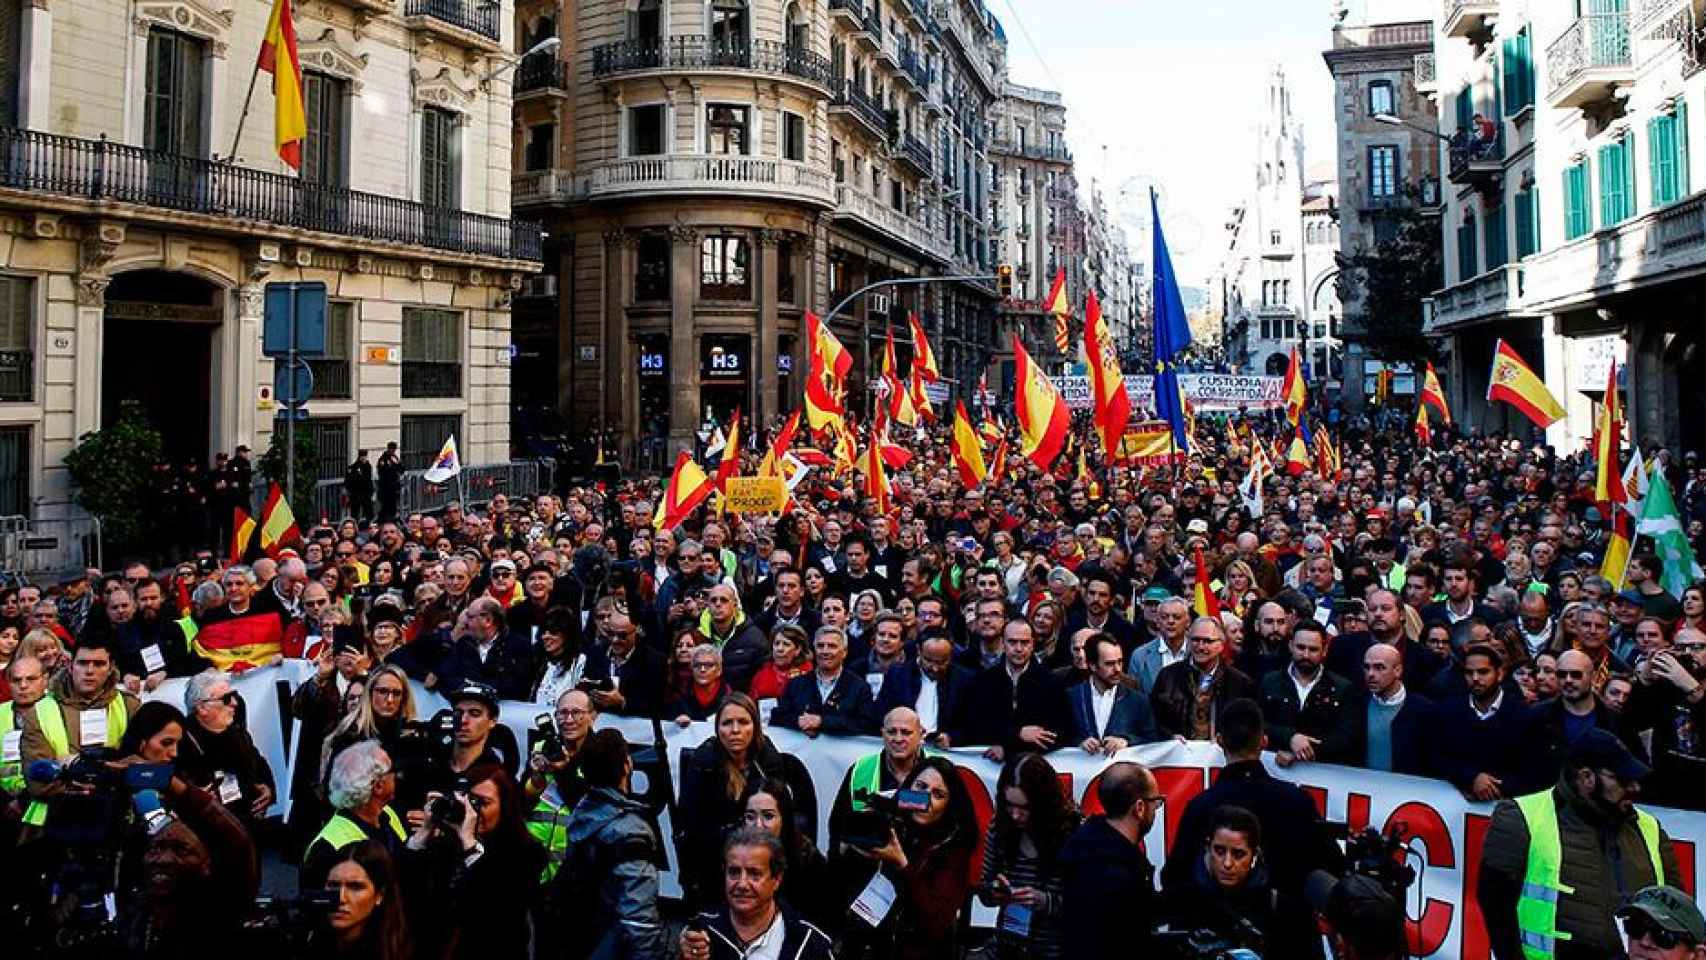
(50, 545)
(518, 478)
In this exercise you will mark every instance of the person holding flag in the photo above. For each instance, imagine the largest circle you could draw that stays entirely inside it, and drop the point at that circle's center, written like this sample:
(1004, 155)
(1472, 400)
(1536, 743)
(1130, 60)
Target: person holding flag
(1433, 394)
(1107, 383)
(1172, 336)
(1293, 391)
(1044, 420)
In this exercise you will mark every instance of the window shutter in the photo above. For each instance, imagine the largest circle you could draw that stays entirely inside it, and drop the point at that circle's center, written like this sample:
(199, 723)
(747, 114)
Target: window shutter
(1509, 72)
(1524, 223)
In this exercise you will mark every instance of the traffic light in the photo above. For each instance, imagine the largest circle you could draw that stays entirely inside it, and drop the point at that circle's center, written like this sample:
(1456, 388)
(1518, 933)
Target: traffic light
(1004, 280)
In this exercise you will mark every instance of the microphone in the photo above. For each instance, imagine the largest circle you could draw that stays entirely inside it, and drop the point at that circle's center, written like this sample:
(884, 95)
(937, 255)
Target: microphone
(43, 771)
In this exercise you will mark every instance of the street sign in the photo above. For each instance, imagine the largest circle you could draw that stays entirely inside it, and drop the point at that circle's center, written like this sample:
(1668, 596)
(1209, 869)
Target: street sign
(301, 304)
(298, 415)
(38, 543)
(293, 385)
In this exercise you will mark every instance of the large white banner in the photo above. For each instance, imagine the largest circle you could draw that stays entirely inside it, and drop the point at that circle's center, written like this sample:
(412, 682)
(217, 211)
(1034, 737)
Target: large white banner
(1205, 391)
(1448, 830)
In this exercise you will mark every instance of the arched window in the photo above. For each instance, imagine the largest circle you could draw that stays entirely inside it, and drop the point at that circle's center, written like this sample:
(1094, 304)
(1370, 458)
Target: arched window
(799, 30)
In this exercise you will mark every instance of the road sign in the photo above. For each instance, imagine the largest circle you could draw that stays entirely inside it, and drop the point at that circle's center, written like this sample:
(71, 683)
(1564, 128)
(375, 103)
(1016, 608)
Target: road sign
(38, 543)
(292, 385)
(301, 304)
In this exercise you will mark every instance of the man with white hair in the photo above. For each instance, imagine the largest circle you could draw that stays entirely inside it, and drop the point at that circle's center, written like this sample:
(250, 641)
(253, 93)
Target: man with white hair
(217, 753)
(360, 787)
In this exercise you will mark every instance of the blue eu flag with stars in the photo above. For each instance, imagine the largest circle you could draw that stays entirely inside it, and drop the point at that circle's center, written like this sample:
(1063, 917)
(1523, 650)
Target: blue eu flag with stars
(1172, 333)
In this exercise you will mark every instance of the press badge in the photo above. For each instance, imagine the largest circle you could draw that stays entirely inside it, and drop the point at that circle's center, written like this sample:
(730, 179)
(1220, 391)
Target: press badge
(230, 791)
(92, 728)
(11, 747)
(152, 659)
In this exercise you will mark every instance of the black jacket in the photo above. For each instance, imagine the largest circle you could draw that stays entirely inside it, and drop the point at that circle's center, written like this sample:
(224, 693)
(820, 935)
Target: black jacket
(204, 756)
(1409, 728)
(1345, 655)
(848, 711)
(1110, 892)
(1293, 842)
(995, 708)
(1175, 691)
(800, 940)
(1330, 716)
(904, 681)
(1504, 745)
(492, 897)
(507, 667)
(640, 679)
(1117, 627)
(706, 813)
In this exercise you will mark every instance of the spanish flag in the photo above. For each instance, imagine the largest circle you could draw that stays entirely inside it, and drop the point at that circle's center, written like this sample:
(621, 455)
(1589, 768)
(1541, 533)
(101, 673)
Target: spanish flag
(278, 523)
(1608, 489)
(730, 464)
(876, 483)
(1107, 383)
(242, 642)
(242, 532)
(1203, 600)
(826, 379)
(919, 399)
(900, 408)
(771, 466)
(1297, 456)
(1043, 417)
(1424, 433)
(1433, 394)
(923, 358)
(967, 448)
(998, 463)
(688, 487)
(278, 57)
(1057, 305)
(1512, 381)
(1293, 392)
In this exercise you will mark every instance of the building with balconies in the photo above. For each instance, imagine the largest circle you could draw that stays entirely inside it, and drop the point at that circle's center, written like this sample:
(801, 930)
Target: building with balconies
(1384, 70)
(716, 171)
(1038, 203)
(143, 221)
(1582, 237)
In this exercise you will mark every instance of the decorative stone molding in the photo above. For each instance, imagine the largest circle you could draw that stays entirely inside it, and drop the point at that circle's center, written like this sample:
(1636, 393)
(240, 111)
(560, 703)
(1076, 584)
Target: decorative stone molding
(251, 300)
(45, 226)
(363, 264)
(302, 256)
(326, 54)
(188, 16)
(92, 290)
(615, 237)
(683, 234)
(423, 271)
(772, 238)
(442, 90)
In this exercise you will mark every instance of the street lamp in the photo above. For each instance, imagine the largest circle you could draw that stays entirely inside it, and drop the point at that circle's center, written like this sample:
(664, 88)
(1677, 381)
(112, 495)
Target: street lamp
(1397, 121)
(547, 45)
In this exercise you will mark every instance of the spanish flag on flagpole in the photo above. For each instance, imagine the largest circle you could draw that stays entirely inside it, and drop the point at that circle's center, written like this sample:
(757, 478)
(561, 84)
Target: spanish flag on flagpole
(923, 358)
(1043, 417)
(1203, 600)
(1434, 395)
(1514, 382)
(1107, 384)
(278, 57)
(1058, 305)
(967, 448)
(688, 487)
(826, 378)
(1424, 433)
(278, 523)
(1293, 392)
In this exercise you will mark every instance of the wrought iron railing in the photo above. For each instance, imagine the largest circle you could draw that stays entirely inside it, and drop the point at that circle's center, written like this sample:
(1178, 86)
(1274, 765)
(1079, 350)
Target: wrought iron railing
(699, 52)
(1469, 147)
(542, 71)
(913, 66)
(1594, 41)
(854, 97)
(331, 377)
(115, 172)
(915, 151)
(431, 380)
(475, 16)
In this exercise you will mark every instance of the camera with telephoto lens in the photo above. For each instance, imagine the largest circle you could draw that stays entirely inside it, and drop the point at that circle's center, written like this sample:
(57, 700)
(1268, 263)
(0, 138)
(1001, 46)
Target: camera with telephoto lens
(283, 927)
(1200, 945)
(545, 737)
(437, 733)
(894, 807)
(1382, 857)
(446, 809)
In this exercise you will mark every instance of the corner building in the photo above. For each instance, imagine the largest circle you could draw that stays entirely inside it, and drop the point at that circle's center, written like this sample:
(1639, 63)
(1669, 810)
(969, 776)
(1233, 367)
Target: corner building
(711, 170)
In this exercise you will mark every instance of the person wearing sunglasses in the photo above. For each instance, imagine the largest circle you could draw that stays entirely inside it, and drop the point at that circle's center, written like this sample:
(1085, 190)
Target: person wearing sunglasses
(217, 754)
(1663, 923)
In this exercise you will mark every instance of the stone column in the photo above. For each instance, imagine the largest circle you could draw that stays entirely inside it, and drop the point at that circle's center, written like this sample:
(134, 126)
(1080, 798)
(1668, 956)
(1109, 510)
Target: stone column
(683, 342)
(617, 247)
(766, 399)
(100, 244)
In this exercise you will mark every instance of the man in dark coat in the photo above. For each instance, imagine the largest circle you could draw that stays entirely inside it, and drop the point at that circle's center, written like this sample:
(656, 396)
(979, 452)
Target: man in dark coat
(1486, 744)
(630, 674)
(390, 481)
(358, 487)
(1311, 711)
(1109, 884)
(931, 684)
(829, 699)
(1015, 704)
(1124, 718)
(488, 653)
(1189, 696)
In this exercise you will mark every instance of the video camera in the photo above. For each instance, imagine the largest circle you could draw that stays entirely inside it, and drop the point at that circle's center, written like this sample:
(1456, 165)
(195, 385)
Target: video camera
(893, 807)
(436, 734)
(545, 737)
(1382, 857)
(1200, 945)
(282, 926)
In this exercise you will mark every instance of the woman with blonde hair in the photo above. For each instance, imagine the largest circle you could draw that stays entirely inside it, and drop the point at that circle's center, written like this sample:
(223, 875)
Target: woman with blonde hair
(386, 704)
(1240, 591)
(44, 645)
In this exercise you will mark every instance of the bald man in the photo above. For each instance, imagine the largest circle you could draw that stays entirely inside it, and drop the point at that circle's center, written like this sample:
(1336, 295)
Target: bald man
(1576, 710)
(1393, 717)
(881, 772)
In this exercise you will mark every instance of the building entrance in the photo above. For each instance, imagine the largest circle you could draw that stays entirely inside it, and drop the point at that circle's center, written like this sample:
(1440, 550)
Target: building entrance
(157, 350)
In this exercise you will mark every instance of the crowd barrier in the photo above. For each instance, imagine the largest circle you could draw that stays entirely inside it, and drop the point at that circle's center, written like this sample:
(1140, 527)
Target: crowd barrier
(1445, 919)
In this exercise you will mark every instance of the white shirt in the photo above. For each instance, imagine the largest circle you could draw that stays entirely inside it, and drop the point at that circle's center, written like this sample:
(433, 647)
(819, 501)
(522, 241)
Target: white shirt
(1102, 705)
(1396, 700)
(1455, 617)
(1168, 656)
(559, 679)
(826, 687)
(1302, 688)
(769, 945)
(928, 703)
(1488, 713)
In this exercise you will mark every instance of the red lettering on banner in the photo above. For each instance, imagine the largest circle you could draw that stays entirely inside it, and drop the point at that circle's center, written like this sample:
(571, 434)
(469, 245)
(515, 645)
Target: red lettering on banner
(1089, 804)
(1473, 942)
(1318, 795)
(982, 808)
(1356, 812)
(1424, 823)
(1180, 785)
(1685, 863)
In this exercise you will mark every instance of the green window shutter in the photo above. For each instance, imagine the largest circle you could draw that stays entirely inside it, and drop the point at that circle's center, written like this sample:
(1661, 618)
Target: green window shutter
(1656, 160)
(1524, 223)
(1508, 64)
(1465, 108)
(1498, 247)
(1615, 179)
(1679, 149)
(1525, 67)
(1578, 214)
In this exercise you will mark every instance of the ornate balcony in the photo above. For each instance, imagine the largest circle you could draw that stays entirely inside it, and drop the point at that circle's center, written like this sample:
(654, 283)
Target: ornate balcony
(541, 73)
(1476, 162)
(876, 215)
(674, 175)
(468, 23)
(696, 53)
(1480, 299)
(1640, 254)
(241, 200)
(912, 151)
(1589, 61)
(529, 187)
(851, 100)
(1469, 19)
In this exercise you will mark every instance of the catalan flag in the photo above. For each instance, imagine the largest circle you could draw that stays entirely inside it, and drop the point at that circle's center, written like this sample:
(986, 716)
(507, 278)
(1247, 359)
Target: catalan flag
(688, 488)
(278, 57)
(923, 358)
(1043, 417)
(967, 449)
(1514, 382)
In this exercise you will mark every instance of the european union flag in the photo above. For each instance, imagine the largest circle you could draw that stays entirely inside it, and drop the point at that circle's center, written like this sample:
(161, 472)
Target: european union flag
(1172, 333)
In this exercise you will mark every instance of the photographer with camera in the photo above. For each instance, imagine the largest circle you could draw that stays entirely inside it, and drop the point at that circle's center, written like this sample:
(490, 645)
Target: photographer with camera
(84, 709)
(361, 787)
(1669, 699)
(607, 890)
(554, 783)
(475, 737)
(1364, 920)
(367, 920)
(1229, 895)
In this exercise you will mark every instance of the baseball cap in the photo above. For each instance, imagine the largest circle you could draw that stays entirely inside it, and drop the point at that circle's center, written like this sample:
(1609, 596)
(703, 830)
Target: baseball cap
(1157, 594)
(503, 563)
(475, 690)
(1669, 909)
(1631, 595)
(1198, 526)
(1601, 750)
(1360, 910)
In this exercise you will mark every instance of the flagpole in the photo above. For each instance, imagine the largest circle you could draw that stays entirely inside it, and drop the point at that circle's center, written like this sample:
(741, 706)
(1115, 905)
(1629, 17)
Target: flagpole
(244, 116)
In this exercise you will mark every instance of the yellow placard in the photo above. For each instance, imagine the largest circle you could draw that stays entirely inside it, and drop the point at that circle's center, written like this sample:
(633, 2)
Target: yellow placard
(756, 495)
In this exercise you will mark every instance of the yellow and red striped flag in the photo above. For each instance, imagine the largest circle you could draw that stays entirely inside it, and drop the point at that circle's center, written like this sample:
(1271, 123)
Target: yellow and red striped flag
(1293, 391)
(923, 358)
(826, 378)
(1107, 383)
(278, 523)
(876, 482)
(1043, 417)
(919, 399)
(1608, 489)
(1424, 433)
(967, 449)
(1433, 394)
(1203, 600)
(1514, 382)
(242, 531)
(1062, 310)
(278, 57)
(771, 465)
(688, 487)
(899, 400)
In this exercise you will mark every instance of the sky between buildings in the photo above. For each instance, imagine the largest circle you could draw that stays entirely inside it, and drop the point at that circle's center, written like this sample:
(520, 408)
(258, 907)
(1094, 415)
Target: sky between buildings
(1171, 91)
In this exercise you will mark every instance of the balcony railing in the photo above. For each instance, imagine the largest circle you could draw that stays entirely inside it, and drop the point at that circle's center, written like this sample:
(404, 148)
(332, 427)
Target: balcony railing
(475, 16)
(1471, 155)
(699, 52)
(853, 97)
(17, 375)
(913, 66)
(99, 170)
(881, 216)
(434, 381)
(1465, 18)
(916, 152)
(541, 72)
(699, 173)
(1032, 151)
(1589, 55)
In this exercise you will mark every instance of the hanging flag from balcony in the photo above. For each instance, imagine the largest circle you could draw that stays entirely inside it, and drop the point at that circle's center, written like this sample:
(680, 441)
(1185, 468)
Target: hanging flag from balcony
(278, 57)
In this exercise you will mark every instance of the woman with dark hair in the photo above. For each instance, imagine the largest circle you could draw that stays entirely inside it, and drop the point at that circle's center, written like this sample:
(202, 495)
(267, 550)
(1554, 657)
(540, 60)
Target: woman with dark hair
(1021, 875)
(558, 661)
(1229, 892)
(717, 777)
(497, 880)
(928, 860)
(368, 922)
(806, 883)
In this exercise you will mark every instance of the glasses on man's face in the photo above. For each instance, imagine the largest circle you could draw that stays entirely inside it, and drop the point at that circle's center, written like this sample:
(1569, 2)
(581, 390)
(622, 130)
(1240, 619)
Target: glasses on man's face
(503, 574)
(574, 713)
(1638, 925)
(704, 666)
(1157, 800)
(229, 698)
(1571, 674)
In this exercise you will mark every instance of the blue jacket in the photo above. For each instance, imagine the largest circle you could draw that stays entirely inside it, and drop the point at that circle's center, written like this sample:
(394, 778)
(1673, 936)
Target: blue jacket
(903, 681)
(1506, 745)
(1145, 664)
(609, 839)
(849, 709)
(1132, 720)
(508, 666)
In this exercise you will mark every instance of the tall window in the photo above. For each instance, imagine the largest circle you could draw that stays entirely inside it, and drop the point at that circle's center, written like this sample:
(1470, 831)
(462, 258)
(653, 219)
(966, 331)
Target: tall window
(423, 435)
(17, 339)
(541, 146)
(1617, 181)
(14, 470)
(1382, 172)
(726, 129)
(1516, 58)
(646, 133)
(1380, 99)
(651, 272)
(728, 24)
(793, 137)
(1465, 108)
(785, 292)
(799, 30)
(332, 371)
(432, 353)
(645, 22)
(1578, 211)
(328, 130)
(1527, 222)
(441, 153)
(332, 454)
(1498, 247)
(725, 268)
(11, 59)
(1667, 153)
(1468, 258)
(172, 120)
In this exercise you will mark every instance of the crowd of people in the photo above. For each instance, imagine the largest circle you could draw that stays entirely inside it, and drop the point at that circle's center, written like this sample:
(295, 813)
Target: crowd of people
(1428, 610)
